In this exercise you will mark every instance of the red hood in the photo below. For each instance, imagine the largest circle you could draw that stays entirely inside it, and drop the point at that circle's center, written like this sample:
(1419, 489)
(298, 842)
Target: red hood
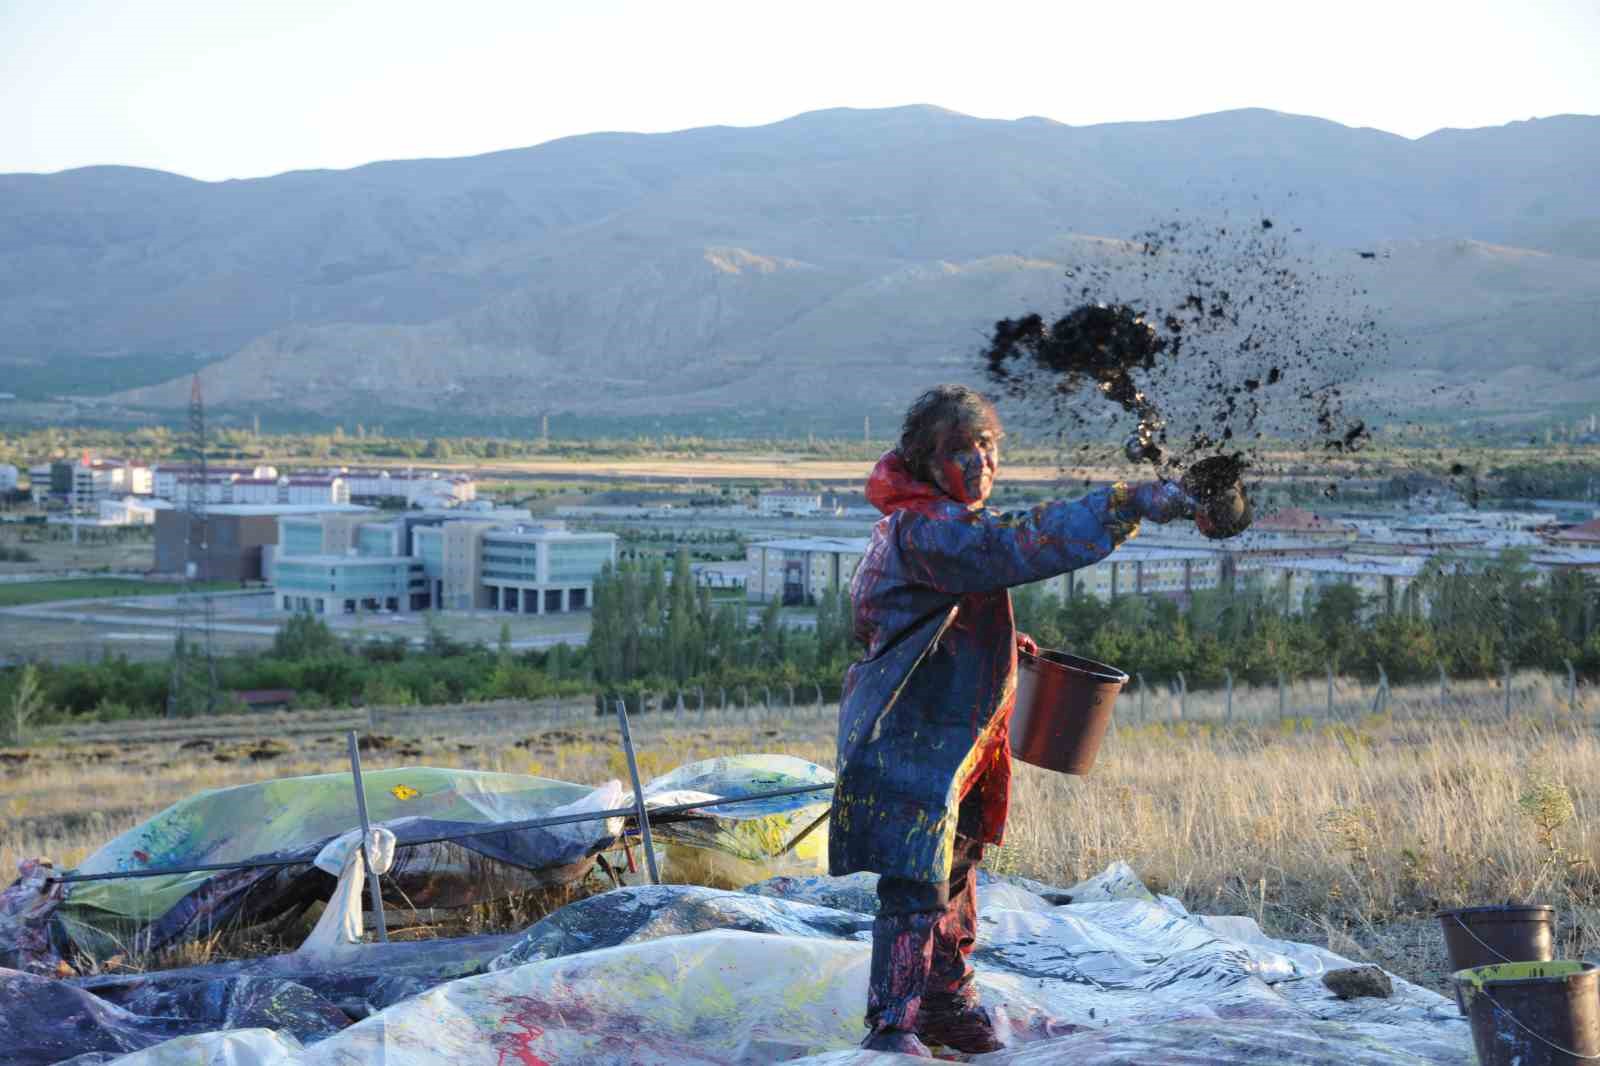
(893, 487)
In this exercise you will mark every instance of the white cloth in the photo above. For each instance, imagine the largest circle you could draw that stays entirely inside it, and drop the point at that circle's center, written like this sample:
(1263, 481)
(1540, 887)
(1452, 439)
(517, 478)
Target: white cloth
(341, 923)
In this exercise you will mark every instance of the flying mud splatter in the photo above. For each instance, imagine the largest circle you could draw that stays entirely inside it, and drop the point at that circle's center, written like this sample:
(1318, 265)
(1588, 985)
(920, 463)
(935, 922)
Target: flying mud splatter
(1213, 336)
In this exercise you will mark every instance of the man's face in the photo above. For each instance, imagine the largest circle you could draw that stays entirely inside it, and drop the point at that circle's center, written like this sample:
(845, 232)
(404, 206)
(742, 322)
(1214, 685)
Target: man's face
(966, 463)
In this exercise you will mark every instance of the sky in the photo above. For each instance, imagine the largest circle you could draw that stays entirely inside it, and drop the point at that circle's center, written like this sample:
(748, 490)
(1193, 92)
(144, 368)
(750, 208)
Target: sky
(218, 89)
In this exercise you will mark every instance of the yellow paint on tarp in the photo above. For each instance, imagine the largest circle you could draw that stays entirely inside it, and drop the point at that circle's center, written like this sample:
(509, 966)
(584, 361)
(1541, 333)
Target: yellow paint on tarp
(404, 792)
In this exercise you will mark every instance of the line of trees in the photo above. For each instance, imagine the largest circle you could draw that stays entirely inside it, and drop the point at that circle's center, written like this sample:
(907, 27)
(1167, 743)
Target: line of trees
(652, 631)
(1468, 616)
(656, 631)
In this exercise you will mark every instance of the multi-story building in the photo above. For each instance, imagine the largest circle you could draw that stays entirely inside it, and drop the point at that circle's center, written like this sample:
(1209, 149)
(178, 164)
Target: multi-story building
(1385, 580)
(8, 477)
(1137, 570)
(258, 485)
(789, 503)
(240, 539)
(533, 570)
(86, 482)
(802, 569)
(450, 559)
(416, 489)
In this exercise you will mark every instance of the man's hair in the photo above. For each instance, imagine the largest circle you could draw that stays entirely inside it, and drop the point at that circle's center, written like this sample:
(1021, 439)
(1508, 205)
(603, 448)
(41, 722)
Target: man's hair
(935, 413)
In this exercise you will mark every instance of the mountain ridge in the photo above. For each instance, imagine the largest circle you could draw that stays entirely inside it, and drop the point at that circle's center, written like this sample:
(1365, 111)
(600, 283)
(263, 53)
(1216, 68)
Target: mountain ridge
(745, 261)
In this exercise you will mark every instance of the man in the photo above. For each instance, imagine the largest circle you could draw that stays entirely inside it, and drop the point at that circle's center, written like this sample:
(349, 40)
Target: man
(923, 754)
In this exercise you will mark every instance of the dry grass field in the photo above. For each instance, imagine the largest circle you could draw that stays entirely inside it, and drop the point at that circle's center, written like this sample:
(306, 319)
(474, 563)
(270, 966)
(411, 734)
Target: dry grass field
(1350, 833)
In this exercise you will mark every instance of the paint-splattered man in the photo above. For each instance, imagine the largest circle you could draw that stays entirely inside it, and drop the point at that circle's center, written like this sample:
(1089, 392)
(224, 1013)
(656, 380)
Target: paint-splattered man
(924, 764)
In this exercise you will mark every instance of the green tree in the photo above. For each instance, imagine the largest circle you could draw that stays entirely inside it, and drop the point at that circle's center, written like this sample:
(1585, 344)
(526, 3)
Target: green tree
(27, 703)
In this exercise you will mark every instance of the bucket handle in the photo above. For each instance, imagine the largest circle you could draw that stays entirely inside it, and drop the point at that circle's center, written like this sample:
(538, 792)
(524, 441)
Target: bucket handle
(1546, 1041)
(1465, 928)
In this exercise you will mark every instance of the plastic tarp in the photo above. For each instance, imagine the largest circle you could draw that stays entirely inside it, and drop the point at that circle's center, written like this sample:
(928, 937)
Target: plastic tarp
(689, 976)
(294, 818)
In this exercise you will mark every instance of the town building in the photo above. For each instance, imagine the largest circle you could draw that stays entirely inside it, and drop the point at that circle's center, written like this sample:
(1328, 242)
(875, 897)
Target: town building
(801, 570)
(1386, 581)
(85, 482)
(239, 539)
(131, 510)
(39, 482)
(261, 485)
(457, 559)
(785, 502)
(429, 489)
(1138, 570)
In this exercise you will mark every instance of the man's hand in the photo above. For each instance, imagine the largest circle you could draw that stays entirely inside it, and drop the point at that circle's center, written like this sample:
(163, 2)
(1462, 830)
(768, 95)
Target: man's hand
(1162, 501)
(1025, 643)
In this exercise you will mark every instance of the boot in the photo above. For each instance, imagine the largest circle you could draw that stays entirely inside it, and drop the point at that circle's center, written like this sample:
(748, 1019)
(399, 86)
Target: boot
(959, 1023)
(902, 948)
(898, 1041)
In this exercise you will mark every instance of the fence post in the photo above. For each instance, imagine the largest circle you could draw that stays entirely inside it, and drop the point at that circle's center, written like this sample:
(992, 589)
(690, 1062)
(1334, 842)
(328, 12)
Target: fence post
(1183, 697)
(1442, 684)
(677, 712)
(1383, 685)
(1143, 716)
(1383, 688)
(1280, 696)
(1330, 688)
(1572, 687)
(818, 684)
(1228, 714)
(1505, 684)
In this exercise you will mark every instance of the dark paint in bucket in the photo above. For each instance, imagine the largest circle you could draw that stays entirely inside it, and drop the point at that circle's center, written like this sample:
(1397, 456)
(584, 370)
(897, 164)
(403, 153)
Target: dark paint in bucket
(1063, 709)
(1532, 1013)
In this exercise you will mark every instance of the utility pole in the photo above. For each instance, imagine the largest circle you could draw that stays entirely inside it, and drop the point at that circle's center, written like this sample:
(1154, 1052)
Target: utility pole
(866, 429)
(194, 669)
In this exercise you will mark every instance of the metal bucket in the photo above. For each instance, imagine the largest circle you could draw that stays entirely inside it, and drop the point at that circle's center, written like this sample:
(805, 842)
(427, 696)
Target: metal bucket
(1063, 709)
(1532, 1013)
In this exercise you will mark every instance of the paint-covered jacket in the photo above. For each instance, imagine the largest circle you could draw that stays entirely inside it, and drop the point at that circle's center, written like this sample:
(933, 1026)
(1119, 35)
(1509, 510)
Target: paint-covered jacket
(926, 711)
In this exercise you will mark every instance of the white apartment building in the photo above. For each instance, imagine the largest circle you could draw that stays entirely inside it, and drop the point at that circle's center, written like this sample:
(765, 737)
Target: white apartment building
(424, 488)
(789, 503)
(800, 570)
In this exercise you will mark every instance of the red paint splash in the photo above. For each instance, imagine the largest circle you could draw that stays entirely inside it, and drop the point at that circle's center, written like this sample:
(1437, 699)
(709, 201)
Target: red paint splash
(519, 1046)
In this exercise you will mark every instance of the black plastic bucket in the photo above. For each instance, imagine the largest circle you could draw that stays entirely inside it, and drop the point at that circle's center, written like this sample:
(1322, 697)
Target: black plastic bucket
(1483, 936)
(1532, 1013)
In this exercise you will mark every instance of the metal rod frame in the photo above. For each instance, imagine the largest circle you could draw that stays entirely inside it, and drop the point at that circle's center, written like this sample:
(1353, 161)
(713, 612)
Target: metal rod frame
(366, 827)
(640, 812)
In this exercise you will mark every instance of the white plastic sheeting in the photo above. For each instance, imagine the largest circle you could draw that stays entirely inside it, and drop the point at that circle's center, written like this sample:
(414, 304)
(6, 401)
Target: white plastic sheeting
(672, 975)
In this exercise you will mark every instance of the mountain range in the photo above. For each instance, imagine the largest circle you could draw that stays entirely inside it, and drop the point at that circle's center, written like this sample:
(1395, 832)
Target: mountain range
(829, 263)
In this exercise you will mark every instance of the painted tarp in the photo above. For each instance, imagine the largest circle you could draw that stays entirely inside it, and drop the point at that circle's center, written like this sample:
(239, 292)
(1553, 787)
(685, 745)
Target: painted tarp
(687, 976)
(295, 818)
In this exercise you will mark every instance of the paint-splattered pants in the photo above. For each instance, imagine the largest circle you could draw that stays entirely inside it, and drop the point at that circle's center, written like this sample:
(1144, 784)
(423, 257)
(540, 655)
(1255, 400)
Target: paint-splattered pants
(920, 942)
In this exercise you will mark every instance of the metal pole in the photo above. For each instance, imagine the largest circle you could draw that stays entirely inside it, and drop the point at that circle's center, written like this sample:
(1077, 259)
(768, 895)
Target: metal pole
(639, 811)
(1143, 717)
(1442, 682)
(1280, 696)
(1572, 686)
(1183, 696)
(366, 860)
(1330, 688)
(1229, 674)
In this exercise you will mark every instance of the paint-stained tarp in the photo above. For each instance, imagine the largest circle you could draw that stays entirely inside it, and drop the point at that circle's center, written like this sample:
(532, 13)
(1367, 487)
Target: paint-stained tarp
(692, 977)
(293, 818)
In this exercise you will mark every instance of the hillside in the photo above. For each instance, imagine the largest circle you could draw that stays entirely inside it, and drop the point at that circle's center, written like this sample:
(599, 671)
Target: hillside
(781, 267)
